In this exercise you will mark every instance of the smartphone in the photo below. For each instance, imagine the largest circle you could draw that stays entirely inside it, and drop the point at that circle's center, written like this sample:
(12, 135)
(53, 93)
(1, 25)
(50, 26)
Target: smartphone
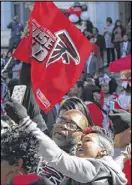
(112, 105)
(19, 93)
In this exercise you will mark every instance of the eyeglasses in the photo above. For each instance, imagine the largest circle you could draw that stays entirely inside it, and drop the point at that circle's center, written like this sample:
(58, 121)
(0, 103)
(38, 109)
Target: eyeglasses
(70, 124)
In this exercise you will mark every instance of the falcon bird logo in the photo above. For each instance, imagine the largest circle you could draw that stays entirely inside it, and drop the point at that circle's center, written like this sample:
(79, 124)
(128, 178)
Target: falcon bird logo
(64, 48)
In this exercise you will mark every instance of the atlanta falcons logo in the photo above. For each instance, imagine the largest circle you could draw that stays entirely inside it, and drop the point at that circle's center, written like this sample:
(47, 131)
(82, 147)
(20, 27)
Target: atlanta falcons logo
(64, 48)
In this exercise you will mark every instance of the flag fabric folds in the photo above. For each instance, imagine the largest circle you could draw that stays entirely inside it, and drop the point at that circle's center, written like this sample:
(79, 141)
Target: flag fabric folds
(121, 64)
(57, 52)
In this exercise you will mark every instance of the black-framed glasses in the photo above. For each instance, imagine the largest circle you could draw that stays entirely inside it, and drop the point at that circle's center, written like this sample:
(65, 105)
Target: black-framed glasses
(70, 124)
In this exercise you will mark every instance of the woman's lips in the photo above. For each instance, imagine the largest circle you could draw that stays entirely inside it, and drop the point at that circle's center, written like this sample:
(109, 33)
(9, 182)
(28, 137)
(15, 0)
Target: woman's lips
(79, 151)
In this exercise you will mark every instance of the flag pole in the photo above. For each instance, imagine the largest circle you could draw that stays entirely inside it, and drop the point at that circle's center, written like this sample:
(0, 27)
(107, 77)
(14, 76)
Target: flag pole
(5, 67)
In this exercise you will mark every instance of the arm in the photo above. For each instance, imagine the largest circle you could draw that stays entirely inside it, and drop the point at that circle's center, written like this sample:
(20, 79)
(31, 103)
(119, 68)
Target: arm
(29, 101)
(76, 168)
(124, 156)
(79, 169)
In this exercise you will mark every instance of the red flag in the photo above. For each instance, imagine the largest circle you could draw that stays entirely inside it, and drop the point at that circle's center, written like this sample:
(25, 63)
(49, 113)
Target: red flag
(121, 64)
(57, 51)
(127, 171)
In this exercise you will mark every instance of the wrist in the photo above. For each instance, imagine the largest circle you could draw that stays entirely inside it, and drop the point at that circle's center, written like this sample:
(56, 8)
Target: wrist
(24, 119)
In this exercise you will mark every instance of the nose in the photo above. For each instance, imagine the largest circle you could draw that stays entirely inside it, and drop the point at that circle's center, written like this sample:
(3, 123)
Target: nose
(64, 126)
(79, 144)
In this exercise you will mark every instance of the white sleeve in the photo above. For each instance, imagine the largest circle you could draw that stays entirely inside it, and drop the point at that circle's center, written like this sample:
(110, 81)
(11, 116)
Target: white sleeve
(79, 169)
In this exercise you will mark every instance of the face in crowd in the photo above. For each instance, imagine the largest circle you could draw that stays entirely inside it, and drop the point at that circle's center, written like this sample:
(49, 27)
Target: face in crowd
(75, 91)
(93, 40)
(95, 144)
(19, 154)
(105, 88)
(118, 23)
(68, 128)
(125, 38)
(108, 21)
(97, 97)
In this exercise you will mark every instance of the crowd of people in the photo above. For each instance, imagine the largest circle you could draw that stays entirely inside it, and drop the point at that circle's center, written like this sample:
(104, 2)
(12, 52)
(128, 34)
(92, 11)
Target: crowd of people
(86, 137)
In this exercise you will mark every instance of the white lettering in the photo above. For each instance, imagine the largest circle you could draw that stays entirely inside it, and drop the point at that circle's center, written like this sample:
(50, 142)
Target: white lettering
(38, 52)
(48, 44)
(41, 43)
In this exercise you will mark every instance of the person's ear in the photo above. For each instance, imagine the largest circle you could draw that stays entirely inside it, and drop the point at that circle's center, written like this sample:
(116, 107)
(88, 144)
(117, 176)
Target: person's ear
(101, 153)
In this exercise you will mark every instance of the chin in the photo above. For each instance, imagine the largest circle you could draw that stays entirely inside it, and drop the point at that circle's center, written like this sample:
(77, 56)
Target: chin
(81, 155)
(60, 141)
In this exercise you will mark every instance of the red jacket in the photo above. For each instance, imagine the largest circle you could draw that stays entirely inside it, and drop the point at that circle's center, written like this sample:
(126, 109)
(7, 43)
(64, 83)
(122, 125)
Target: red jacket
(95, 113)
(127, 171)
(96, 49)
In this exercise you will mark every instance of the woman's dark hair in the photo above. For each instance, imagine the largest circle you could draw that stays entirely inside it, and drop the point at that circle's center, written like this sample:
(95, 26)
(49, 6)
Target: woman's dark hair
(78, 104)
(109, 19)
(115, 27)
(88, 95)
(84, 7)
(17, 144)
(112, 85)
(117, 22)
(77, 4)
(88, 75)
(80, 84)
(89, 27)
(88, 92)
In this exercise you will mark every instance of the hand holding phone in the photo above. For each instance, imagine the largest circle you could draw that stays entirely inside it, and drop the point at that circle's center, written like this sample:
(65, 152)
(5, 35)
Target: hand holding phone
(18, 93)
